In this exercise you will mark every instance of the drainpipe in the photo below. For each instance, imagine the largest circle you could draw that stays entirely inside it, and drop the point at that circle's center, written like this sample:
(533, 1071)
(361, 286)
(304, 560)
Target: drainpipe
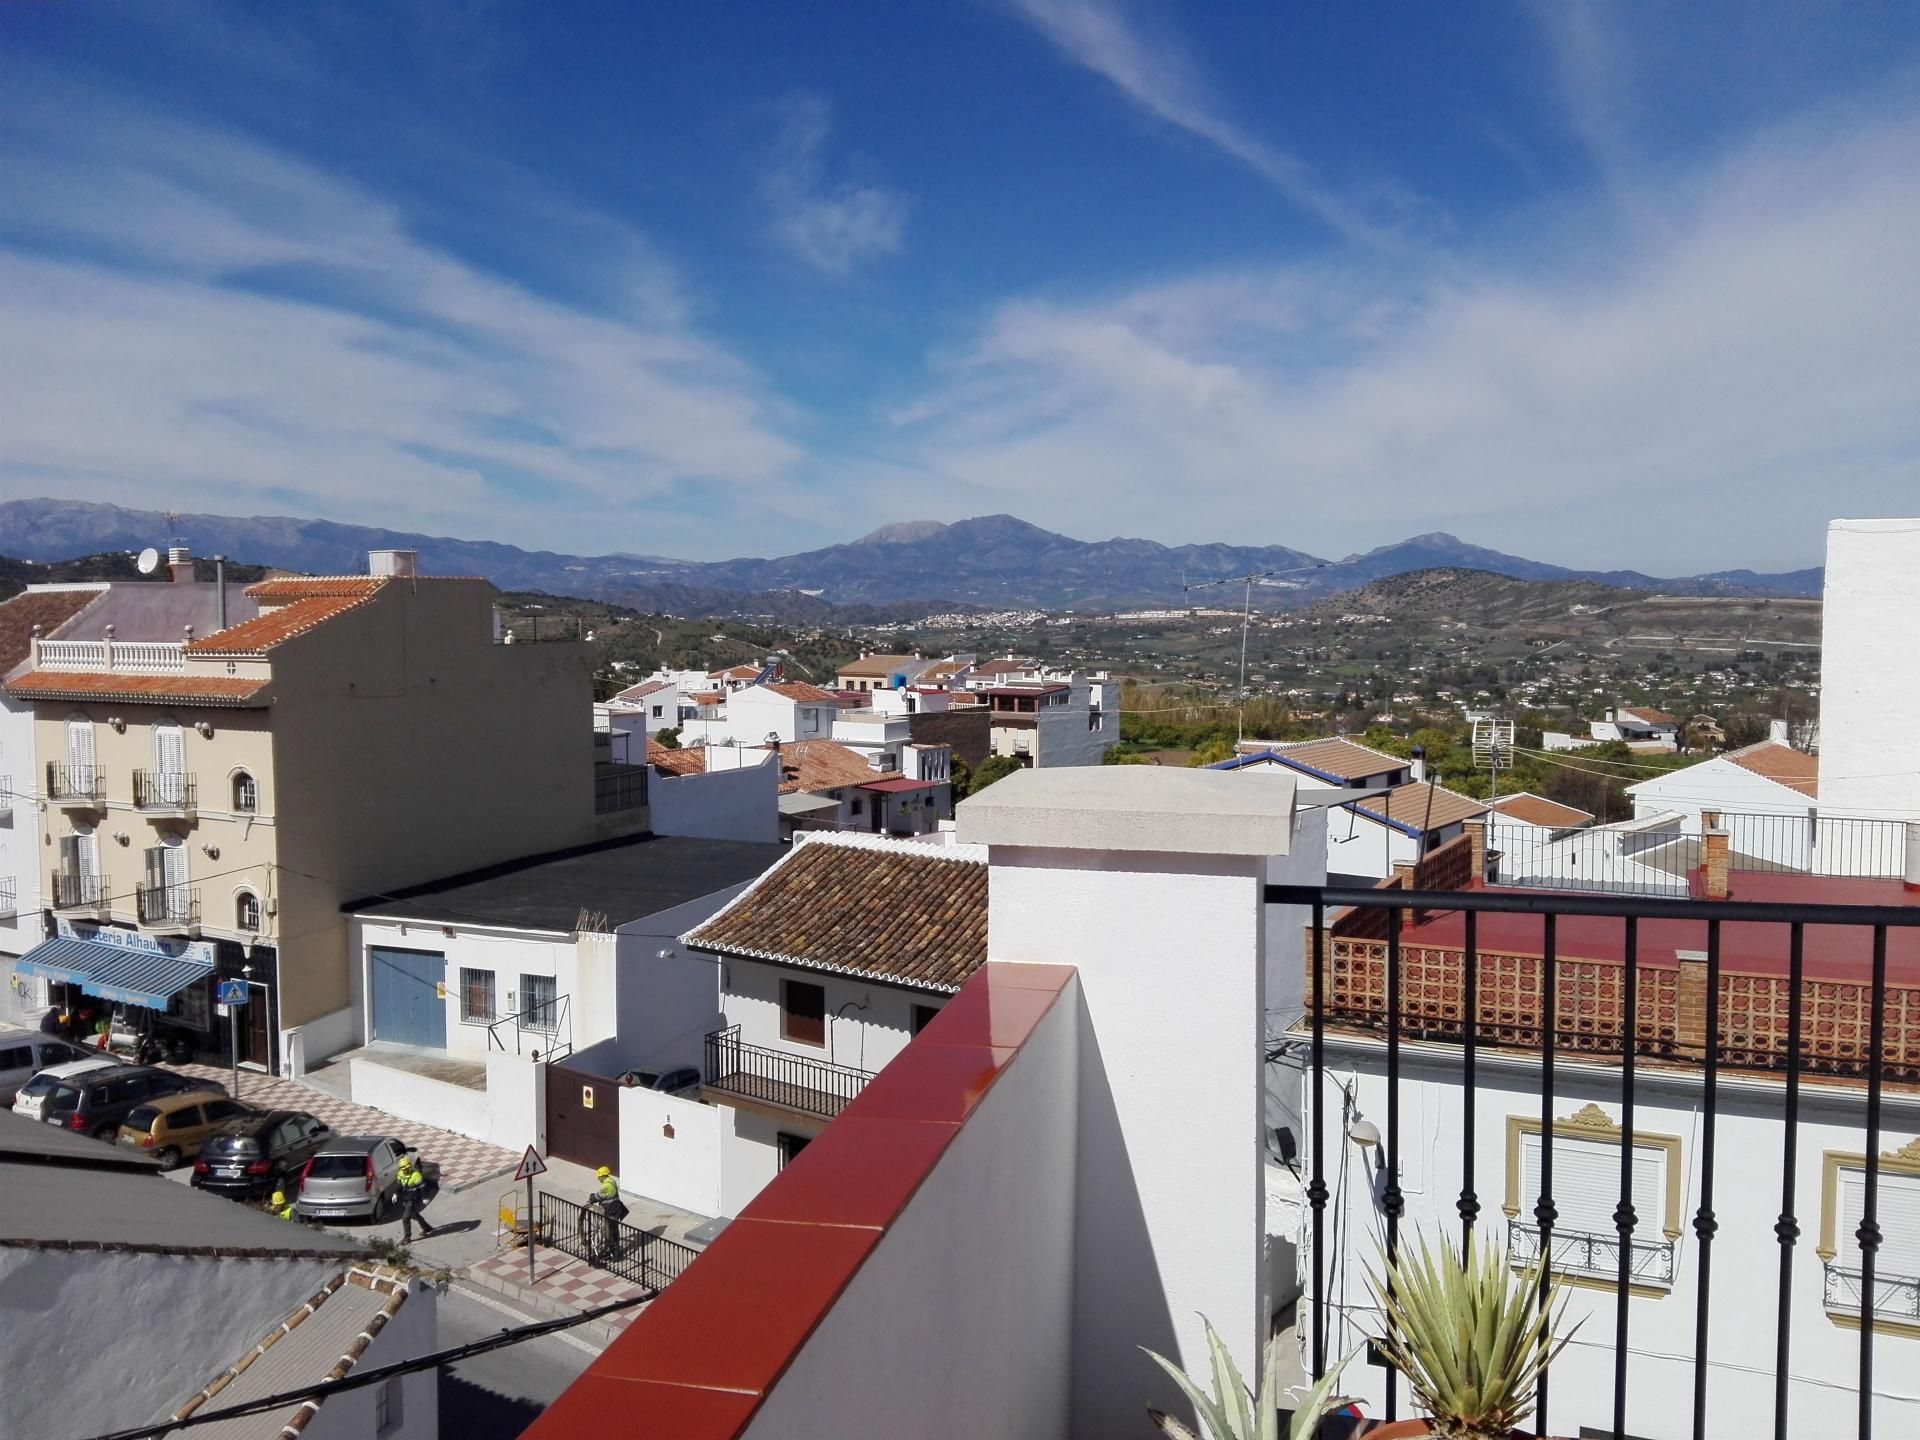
(220, 586)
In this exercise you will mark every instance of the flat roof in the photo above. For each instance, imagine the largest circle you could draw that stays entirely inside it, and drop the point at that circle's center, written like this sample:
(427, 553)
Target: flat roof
(1132, 807)
(621, 879)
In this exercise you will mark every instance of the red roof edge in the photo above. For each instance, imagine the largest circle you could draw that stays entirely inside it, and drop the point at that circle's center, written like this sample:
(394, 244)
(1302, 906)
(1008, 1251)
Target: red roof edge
(689, 1366)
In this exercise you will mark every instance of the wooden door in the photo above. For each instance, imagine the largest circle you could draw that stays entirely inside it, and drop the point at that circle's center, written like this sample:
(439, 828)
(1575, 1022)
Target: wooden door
(583, 1117)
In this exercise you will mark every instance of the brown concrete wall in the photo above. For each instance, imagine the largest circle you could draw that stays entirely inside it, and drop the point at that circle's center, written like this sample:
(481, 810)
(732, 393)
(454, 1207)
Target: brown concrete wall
(964, 730)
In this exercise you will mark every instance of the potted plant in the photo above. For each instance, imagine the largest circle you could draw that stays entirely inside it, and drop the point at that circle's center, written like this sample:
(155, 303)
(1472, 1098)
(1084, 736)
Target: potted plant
(1471, 1337)
(1232, 1413)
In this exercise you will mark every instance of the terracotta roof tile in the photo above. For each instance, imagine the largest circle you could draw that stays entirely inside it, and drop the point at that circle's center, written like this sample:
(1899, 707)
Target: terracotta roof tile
(812, 765)
(644, 689)
(49, 609)
(1538, 810)
(806, 694)
(675, 762)
(1782, 764)
(1647, 716)
(1335, 756)
(877, 666)
(902, 911)
(298, 587)
(735, 672)
(1408, 805)
(205, 689)
(271, 627)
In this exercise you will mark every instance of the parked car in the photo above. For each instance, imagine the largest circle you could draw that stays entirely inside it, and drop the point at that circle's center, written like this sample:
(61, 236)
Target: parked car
(25, 1053)
(355, 1176)
(95, 1102)
(246, 1159)
(174, 1127)
(669, 1081)
(32, 1099)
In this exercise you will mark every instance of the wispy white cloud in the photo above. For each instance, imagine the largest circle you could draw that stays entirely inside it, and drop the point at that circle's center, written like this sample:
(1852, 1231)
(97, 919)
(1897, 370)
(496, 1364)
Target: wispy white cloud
(1156, 75)
(1618, 395)
(194, 318)
(833, 227)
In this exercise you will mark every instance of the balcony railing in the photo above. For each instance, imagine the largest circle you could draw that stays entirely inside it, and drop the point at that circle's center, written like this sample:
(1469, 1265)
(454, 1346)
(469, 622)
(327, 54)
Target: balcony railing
(73, 890)
(544, 1030)
(139, 657)
(1675, 1001)
(9, 898)
(774, 1077)
(1576, 1252)
(170, 791)
(1896, 1297)
(70, 783)
(168, 906)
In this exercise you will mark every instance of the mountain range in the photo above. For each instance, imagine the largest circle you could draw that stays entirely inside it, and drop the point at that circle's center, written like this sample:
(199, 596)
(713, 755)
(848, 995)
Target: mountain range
(990, 561)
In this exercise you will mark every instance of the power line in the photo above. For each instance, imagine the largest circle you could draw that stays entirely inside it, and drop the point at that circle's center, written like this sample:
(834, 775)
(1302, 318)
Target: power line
(360, 1379)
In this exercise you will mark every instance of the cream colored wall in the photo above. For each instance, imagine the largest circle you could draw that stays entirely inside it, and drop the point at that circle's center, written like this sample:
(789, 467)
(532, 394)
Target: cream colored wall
(246, 845)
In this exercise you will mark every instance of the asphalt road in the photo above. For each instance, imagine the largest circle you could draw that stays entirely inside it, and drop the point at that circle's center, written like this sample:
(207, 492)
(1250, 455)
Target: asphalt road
(497, 1395)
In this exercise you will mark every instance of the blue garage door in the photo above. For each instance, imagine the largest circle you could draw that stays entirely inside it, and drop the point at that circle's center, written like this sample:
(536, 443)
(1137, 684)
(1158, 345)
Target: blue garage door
(409, 996)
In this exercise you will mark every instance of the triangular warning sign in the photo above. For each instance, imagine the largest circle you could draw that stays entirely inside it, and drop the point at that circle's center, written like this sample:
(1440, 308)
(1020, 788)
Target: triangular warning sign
(530, 1165)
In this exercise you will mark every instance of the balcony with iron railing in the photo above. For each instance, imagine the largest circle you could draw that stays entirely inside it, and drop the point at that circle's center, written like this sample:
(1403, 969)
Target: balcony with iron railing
(736, 1070)
(169, 909)
(75, 786)
(165, 794)
(77, 890)
(9, 898)
(6, 796)
(1582, 1253)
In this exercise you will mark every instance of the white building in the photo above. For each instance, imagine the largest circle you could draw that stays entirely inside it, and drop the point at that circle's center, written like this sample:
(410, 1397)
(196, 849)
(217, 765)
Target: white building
(1869, 680)
(714, 792)
(888, 787)
(650, 707)
(1638, 726)
(1055, 720)
(755, 714)
(828, 965)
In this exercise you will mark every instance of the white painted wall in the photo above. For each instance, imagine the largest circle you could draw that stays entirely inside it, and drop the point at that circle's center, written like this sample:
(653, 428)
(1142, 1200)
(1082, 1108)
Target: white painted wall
(1170, 949)
(1869, 689)
(682, 1169)
(22, 998)
(508, 953)
(52, 1304)
(1361, 844)
(516, 1102)
(751, 714)
(1747, 1191)
(1003, 1197)
(413, 1330)
(1287, 962)
(669, 997)
(1716, 784)
(736, 804)
(867, 1023)
(419, 1097)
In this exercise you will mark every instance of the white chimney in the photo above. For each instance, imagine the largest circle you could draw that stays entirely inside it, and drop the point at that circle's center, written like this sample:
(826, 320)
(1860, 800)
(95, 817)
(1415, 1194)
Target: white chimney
(1419, 764)
(1777, 731)
(393, 562)
(180, 563)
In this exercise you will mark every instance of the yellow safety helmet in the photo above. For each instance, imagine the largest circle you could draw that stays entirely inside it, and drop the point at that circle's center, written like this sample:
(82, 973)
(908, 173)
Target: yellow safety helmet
(406, 1162)
(603, 1173)
(279, 1197)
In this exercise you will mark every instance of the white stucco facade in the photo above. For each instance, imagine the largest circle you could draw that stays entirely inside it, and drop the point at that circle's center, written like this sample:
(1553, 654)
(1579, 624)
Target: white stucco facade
(1869, 678)
(740, 802)
(23, 997)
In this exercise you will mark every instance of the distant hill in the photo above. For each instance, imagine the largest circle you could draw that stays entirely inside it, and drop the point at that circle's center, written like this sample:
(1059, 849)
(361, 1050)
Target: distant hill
(993, 561)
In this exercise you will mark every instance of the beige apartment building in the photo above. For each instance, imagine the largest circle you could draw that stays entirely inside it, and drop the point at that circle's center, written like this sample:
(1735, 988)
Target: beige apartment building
(212, 798)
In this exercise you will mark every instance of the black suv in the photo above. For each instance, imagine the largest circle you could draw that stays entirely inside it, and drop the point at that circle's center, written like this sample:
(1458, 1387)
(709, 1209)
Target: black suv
(95, 1102)
(251, 1158)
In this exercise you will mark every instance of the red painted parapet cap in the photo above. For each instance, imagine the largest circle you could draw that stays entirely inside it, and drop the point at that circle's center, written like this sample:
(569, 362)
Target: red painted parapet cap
(696, 1364)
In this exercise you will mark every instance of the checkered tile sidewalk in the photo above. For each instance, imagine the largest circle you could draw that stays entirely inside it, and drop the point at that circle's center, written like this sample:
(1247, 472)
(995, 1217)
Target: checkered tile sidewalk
(462, 1160)
(560, 1280)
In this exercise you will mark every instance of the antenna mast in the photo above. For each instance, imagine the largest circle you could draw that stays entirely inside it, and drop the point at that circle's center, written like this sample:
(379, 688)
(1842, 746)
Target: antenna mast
(1492, 749)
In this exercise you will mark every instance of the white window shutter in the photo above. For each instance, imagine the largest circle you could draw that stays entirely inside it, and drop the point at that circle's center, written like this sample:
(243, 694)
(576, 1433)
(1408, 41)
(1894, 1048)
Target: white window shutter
(1897, 1215)
(1586, 1185)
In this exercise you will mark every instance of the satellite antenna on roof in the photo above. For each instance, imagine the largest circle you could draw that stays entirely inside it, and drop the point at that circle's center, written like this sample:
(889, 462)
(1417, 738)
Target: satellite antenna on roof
(1492, 749)
(148, 562)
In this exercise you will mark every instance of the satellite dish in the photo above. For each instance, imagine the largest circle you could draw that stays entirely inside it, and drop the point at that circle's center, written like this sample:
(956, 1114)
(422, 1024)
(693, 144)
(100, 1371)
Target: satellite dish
(149, 561)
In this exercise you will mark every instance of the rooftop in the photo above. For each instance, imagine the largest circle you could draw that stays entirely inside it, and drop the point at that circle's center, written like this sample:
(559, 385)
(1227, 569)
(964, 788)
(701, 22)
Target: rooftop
(877, 667)
(644, 689)
(141, 610)
(824, 765)
(1782, 764)
(1646, 715)
(1538, 810)
(670, 761)
(233, 690)
(1335, 758)
(281, 623)
(914, 914)
(804, 693)
(1132, 808)
(1417, 806)
(49, 609)
(621, 879)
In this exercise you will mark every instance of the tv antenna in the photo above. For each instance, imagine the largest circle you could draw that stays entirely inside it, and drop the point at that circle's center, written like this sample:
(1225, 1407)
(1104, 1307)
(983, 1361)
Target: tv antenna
(1250, 579)
(1492, 749)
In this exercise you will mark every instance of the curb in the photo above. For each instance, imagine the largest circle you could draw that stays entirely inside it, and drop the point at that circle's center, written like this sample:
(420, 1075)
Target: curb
(595, 1332)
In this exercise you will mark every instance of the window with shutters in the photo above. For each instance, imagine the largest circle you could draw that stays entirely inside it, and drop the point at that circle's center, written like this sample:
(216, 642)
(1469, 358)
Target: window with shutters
(1584, 1239)
(1896, 1260)
(803, 1012)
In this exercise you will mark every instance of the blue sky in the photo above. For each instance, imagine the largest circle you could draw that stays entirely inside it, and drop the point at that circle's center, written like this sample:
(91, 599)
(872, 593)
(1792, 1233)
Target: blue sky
(1606, 286)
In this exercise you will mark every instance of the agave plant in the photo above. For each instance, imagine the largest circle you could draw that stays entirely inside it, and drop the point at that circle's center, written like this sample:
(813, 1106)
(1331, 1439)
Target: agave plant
(1231, 1412)
(1470, 1335)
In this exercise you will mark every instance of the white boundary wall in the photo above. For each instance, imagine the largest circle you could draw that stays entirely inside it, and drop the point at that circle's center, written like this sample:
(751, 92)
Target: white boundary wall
(416, 1097)
(1870, 682)
(682, 1169)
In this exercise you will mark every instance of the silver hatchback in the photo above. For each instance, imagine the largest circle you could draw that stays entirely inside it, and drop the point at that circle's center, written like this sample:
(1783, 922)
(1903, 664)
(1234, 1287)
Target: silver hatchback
(351, 1177)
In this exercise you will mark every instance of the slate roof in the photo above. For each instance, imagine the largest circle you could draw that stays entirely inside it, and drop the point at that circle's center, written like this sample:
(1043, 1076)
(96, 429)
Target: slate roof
(1538, 810)
(621, 879)
(903, 911)
(1782, 764)
(1406, 807)
(49, 609)
(86, 685)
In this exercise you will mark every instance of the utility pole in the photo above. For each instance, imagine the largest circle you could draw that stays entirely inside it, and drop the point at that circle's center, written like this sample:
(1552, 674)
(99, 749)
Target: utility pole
(1246, 622)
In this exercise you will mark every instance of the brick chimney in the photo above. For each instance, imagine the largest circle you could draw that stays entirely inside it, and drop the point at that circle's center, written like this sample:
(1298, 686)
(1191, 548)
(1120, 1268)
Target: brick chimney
(1476, 848)
(1713, 865)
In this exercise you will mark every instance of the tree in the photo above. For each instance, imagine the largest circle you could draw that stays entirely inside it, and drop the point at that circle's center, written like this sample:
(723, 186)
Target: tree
(1116, 756)
(669, 739)
(962, 778)
(993, 768)
(1213, 752)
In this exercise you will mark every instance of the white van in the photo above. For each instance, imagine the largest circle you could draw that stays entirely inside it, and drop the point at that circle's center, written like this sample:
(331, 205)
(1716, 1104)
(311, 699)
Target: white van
(31, 1098)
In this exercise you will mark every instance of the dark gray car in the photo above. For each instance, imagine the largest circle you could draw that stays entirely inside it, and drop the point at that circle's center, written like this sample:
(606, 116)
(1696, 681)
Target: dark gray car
(353, 1177)
(96, 1102)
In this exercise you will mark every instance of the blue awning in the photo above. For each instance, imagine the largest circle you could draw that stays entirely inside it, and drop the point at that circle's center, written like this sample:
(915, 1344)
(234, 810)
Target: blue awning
(113, 972)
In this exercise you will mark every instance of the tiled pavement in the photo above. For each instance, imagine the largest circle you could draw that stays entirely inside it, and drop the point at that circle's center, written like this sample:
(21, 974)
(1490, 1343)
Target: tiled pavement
(562, 1285)
(462, 1161)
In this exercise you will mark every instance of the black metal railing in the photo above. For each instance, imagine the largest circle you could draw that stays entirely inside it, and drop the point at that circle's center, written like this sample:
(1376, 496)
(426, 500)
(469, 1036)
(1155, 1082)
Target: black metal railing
(1403, 968)
(587, 1233)
(73, 890)
(544, 1028)
(623, 787)
(1577, 1252)
(168, 904)
(9, 898)
(69, 781)
(164, 790)
(775, 1077)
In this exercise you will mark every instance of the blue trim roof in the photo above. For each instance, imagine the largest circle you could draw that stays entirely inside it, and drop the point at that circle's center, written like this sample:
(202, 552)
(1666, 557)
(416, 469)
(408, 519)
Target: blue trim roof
(113, 972)
(1276, 757)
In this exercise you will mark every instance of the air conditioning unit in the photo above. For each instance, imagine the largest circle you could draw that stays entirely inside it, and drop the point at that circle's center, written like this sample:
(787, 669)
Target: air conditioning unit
(273, 905)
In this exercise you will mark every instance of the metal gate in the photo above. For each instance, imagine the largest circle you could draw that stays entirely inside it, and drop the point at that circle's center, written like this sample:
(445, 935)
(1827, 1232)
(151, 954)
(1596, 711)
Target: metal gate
(583, 1117)
(409, 996)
